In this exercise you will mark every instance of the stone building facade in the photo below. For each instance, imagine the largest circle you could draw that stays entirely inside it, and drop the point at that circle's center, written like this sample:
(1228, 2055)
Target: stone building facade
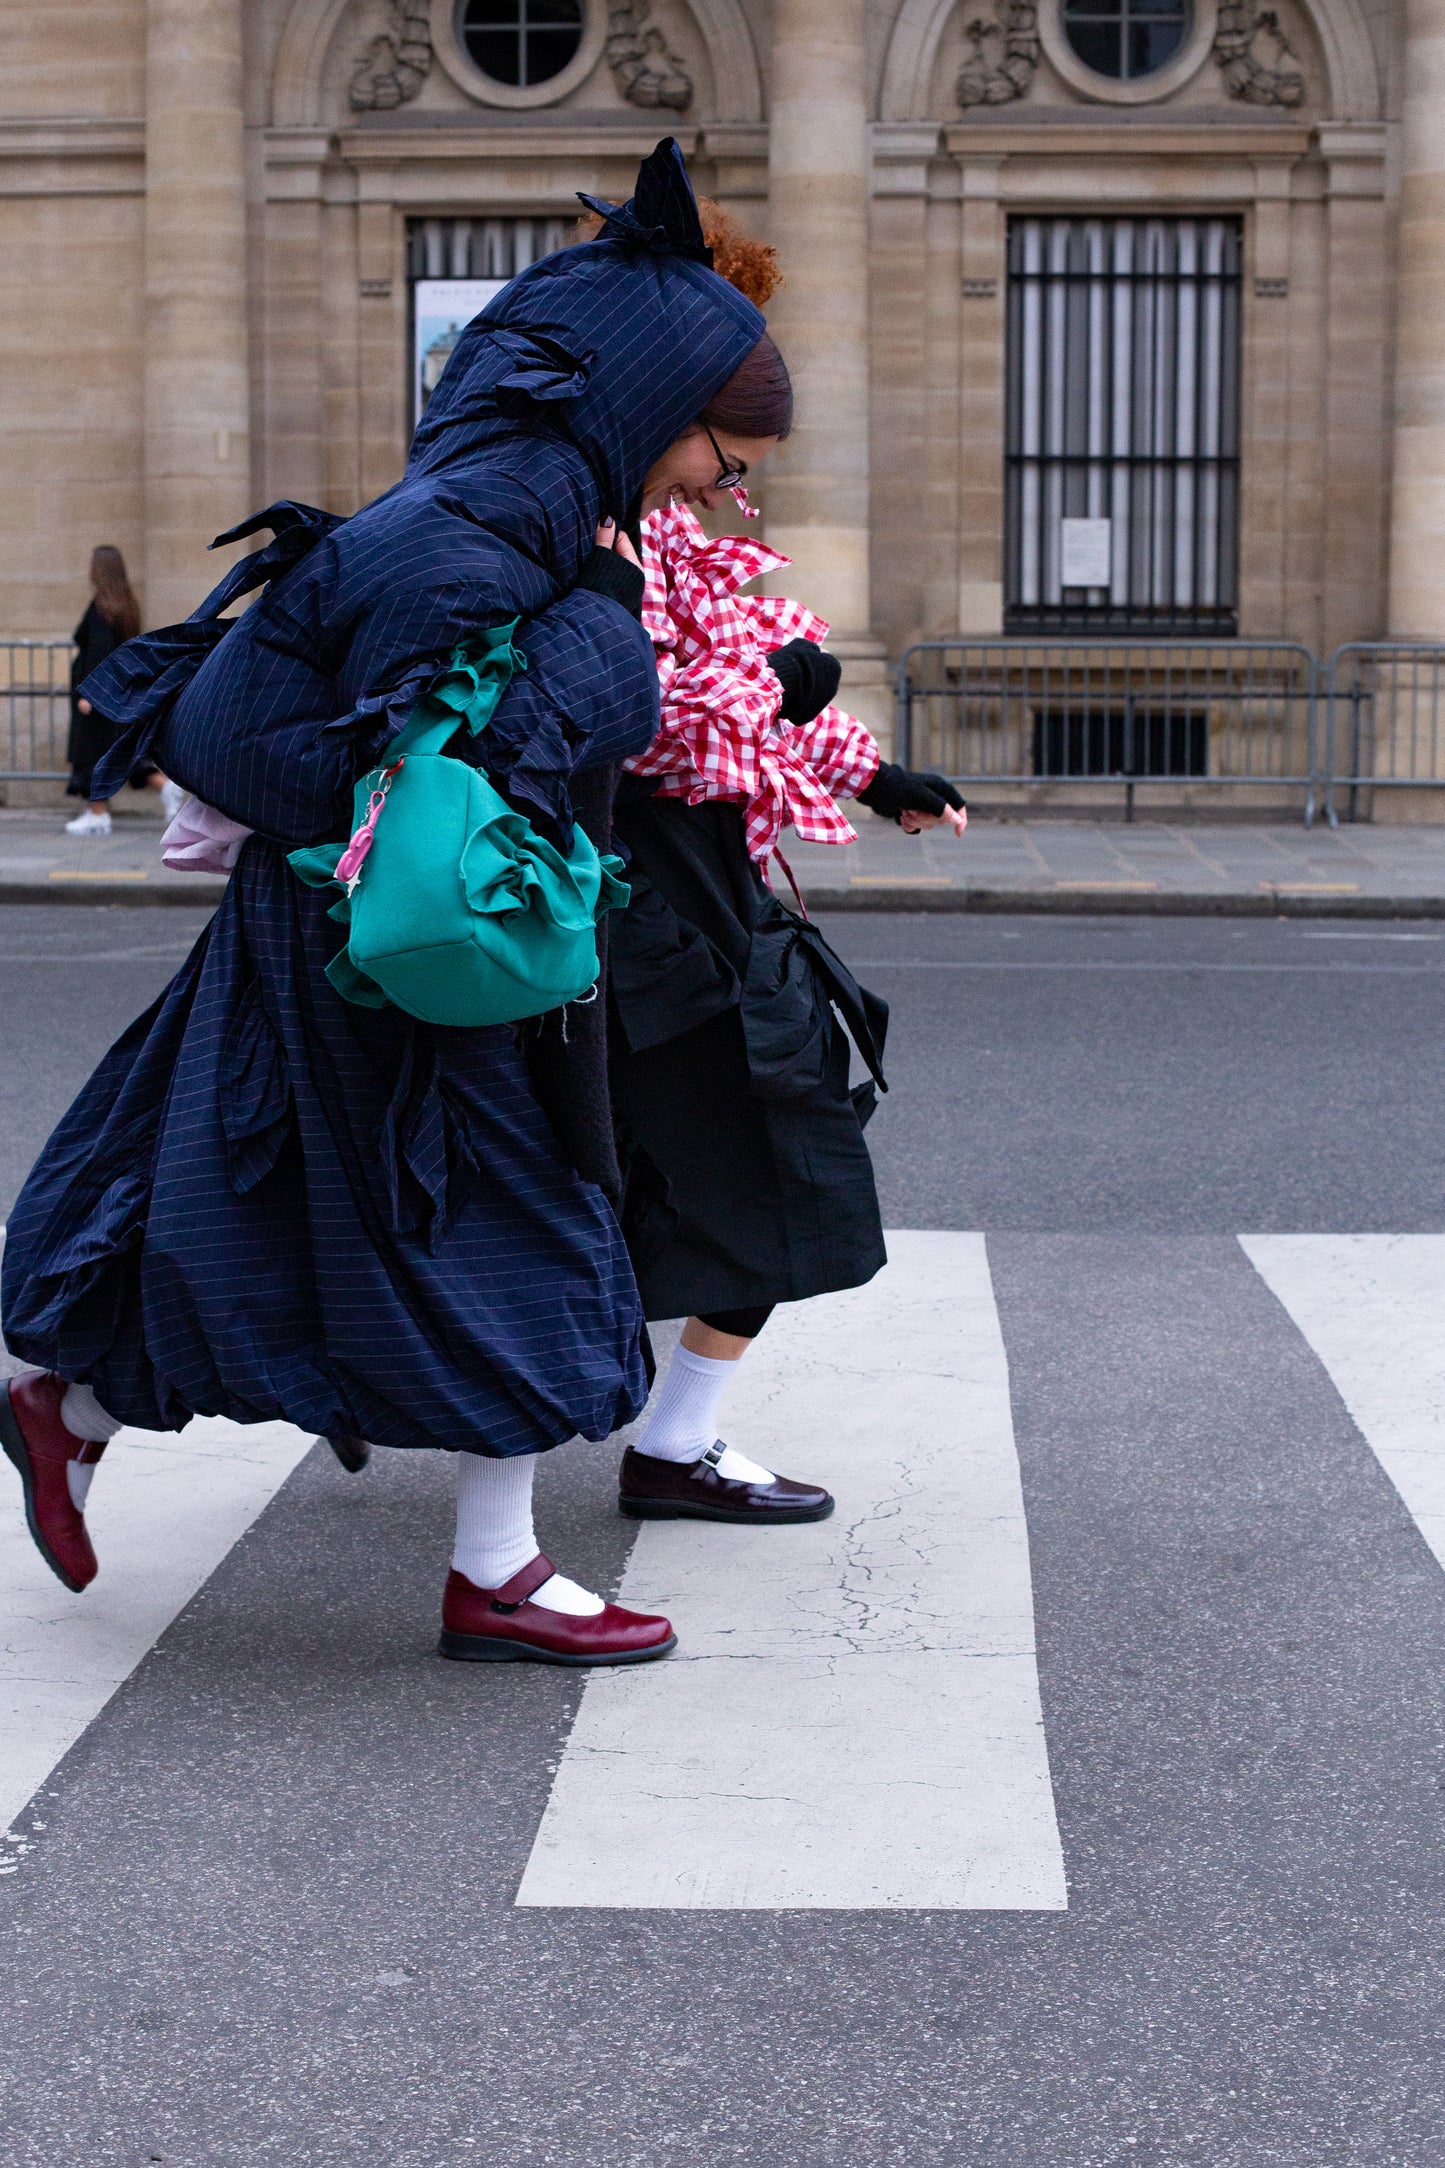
(1103, 316)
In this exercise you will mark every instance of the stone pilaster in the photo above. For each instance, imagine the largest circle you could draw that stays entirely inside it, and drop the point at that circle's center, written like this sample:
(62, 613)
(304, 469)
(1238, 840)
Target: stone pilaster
(1417, 520)
(197, 420)
(817, 501)
(1356, 439)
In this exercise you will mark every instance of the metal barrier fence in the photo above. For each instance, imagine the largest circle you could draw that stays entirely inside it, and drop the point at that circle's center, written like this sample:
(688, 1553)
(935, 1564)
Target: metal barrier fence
(1386, 720)
(34, 710)
(1101, 713)
(1115, 714)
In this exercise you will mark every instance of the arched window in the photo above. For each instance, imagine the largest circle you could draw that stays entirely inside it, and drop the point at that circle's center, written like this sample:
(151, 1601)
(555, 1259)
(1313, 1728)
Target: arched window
(520, 42)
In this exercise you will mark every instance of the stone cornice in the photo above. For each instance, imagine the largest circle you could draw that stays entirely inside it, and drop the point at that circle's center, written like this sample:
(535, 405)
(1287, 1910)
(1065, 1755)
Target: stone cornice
(1354, 152)
(472, 143)
(733, 139)
(1117, 137)
(71, 155)
(901, 151)
(67, 135)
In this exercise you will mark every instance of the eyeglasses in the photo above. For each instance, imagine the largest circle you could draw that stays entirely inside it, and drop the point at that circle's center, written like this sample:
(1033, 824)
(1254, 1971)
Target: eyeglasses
(730, 471)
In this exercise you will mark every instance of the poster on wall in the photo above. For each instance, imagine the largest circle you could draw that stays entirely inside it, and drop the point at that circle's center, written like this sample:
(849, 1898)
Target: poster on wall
(441, 311)
(1086, 550)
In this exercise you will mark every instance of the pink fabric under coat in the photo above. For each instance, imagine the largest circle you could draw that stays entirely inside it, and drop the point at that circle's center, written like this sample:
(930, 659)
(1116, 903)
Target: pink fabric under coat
(201, 840)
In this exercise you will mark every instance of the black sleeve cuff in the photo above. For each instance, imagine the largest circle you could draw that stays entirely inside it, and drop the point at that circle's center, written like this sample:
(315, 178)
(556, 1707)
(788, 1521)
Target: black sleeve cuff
(605, 573)
(809, 676)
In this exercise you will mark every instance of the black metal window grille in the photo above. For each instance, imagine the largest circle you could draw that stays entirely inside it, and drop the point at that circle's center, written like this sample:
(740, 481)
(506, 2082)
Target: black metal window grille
(481, 248)
(521, 42)
(1122, 425)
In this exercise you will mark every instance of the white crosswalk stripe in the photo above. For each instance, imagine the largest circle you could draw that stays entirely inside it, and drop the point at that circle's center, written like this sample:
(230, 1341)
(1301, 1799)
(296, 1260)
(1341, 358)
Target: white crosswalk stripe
(852, 1716)
(1372, 1307)
(163, 1513)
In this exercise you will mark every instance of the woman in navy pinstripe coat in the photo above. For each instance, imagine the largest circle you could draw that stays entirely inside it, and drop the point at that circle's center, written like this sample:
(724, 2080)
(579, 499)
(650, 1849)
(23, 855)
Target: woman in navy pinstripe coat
(270, 1203)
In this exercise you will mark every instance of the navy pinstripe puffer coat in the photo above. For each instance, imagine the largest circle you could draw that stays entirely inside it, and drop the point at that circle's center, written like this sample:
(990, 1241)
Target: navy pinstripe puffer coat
(267, 1202)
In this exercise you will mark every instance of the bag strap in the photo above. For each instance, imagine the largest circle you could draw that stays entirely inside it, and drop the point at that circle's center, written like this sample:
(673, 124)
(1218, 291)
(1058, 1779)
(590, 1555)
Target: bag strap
(465, 694)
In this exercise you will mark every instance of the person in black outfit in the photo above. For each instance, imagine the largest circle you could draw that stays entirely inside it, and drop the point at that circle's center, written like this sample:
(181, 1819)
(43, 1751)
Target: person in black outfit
(746, 1178)
(112, 616)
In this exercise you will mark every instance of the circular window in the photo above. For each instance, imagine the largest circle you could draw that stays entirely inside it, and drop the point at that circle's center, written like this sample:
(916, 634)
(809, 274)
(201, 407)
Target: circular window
(1123, 39)
(1124, 52)
(521, 42)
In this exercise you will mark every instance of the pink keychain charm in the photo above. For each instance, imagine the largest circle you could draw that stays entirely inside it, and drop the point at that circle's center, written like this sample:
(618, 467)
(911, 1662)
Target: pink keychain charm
(349, 864)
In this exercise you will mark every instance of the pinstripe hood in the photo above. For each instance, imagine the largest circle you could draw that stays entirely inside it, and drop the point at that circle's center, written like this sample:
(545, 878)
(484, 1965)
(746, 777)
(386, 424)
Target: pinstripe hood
(610, 348)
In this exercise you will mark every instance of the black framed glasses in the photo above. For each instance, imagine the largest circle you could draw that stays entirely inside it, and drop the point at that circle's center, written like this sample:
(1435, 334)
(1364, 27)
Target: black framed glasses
(730, 471)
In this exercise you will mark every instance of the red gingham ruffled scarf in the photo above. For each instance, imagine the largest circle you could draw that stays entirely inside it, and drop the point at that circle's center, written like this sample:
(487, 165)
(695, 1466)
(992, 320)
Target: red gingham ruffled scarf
(721, 735)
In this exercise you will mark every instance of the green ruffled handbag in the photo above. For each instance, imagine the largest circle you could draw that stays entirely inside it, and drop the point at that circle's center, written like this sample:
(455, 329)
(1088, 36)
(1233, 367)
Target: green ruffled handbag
(458, 911)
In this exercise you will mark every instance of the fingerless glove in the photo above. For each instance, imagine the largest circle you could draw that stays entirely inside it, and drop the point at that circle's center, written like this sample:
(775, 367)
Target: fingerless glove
(895, 791)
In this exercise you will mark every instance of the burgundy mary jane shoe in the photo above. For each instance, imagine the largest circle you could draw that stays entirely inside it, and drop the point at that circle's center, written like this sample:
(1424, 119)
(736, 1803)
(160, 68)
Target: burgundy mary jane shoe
(500, 1626)
(41, 1447)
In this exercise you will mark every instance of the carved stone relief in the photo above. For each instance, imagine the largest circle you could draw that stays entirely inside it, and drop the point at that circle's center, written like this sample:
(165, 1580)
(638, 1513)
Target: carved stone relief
(1004, 55)
(1255, 56)
(393, 67)
(645, 71)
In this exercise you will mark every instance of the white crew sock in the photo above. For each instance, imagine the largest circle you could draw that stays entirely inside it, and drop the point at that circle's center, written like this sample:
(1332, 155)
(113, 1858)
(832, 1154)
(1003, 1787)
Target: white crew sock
(84, 1417)
(495, 1535)
(682, 1421)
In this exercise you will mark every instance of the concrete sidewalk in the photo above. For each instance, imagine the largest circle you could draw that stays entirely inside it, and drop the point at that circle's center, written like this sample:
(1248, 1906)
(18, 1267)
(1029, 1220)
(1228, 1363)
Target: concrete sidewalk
(1175, 869)
(1055, 866)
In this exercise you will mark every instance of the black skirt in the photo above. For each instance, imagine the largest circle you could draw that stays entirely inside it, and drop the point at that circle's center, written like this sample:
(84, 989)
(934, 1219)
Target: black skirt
(746, 1176)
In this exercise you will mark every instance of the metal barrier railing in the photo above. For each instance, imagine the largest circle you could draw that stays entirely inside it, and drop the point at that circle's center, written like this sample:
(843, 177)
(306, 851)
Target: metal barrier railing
(34, 710)
(1385, 729)
(1114, 714)
(1101, 713)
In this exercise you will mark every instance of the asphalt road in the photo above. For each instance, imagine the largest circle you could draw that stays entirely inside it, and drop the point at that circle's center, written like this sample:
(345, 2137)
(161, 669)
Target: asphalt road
(264, 1913)
(1160, 1076)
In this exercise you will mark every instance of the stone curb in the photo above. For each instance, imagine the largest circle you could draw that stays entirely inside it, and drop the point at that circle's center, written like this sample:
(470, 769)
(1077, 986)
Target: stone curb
(199, 894)
(202, 894)
(1113, 903)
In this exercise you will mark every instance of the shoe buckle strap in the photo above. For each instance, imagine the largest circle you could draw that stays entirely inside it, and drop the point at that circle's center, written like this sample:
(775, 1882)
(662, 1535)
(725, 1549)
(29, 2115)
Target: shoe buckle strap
(713, 1454)
(514, 1593)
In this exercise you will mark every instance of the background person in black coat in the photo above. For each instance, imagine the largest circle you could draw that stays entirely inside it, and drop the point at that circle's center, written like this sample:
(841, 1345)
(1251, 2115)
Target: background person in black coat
(112, 616)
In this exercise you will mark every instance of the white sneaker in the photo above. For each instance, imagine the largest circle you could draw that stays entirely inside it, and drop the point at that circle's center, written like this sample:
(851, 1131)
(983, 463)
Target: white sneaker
(89, 824)
(172, 798)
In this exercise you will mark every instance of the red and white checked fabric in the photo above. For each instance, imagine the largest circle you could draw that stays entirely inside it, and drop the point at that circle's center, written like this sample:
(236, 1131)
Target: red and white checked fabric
(722, 735)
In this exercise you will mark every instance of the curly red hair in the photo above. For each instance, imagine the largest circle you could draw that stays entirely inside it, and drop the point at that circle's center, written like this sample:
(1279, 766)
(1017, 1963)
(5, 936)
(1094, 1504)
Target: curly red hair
(751, 266)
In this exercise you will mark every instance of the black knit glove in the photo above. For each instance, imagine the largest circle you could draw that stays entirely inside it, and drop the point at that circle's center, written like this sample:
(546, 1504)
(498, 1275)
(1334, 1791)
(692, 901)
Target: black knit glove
(605, 573)
(895, 791)
(809, 678)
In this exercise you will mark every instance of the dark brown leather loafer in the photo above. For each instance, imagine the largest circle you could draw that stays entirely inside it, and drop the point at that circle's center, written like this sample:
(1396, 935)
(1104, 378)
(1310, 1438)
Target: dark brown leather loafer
(692, 1490)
